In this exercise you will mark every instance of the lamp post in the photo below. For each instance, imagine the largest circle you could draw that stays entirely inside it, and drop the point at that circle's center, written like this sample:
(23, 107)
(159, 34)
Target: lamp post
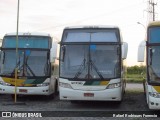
(142, 25)
(16, 69)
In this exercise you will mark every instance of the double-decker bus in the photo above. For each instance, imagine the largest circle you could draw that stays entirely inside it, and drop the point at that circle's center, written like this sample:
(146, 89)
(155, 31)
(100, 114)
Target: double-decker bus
(92, 64)
(33, 59)
(150, 49)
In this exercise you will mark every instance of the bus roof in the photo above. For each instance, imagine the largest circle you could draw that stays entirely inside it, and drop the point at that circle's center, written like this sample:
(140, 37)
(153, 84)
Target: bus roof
(82, 27)
(28, 34)
(154, 23)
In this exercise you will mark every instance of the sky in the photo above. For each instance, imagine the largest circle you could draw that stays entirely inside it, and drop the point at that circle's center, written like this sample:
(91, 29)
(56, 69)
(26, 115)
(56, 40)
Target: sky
(51, 16)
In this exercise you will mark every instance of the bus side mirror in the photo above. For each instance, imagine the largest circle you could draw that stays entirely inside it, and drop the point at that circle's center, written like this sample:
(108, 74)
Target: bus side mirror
(53, 52)
(151, 54)
(141, 51)
(63, 52)
(124, 50)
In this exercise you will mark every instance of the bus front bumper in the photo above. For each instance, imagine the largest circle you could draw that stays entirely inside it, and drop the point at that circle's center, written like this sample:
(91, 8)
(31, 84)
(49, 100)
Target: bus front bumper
(102, 95)
(154, 103)
(25, 90)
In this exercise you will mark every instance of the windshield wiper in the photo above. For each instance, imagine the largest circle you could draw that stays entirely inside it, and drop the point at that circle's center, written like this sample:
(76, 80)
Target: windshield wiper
(80, 70)
(96, 69)
(18, 65)
(23, 67)
(28, 67)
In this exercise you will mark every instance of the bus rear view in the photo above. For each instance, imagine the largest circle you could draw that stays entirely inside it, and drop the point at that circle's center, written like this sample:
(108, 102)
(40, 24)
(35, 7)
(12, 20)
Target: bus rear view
(91, 64)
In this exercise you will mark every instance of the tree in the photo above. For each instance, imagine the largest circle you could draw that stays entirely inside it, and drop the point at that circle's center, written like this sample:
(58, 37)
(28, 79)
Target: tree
(136, 69)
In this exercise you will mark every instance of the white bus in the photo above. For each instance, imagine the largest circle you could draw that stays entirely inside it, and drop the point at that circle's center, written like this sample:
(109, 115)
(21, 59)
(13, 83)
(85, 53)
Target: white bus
(150, 49)
(34, 59)
(92, 60)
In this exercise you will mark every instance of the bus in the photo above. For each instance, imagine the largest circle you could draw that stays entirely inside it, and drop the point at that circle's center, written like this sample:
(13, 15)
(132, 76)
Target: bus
(92, 64)
(149, 52)
(33, 59)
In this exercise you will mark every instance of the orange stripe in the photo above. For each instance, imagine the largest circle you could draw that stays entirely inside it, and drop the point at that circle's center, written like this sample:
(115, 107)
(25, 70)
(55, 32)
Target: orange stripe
(104, 82)
(157, 88)
(19, 82)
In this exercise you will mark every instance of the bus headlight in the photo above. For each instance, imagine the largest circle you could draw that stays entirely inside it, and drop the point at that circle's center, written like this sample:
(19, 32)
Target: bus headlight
(65, 85)
(154, 94)
(114, 85)
(4, 83)
(43, 84)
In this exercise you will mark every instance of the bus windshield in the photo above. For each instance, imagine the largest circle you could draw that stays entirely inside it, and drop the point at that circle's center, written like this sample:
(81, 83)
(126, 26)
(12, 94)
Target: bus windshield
(154, 54)
(89, 61)
(30, 63)
(153, 63)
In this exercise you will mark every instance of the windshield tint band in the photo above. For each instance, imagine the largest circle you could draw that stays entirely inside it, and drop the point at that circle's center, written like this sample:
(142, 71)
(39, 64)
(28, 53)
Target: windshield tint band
(26, 42)
(91, 35)
(153, 34)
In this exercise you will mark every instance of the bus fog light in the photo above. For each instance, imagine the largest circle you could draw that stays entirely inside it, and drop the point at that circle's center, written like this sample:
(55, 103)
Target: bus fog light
(154, 94)
(4, 83)
(65, 85)
(114, 85)
(43, 84)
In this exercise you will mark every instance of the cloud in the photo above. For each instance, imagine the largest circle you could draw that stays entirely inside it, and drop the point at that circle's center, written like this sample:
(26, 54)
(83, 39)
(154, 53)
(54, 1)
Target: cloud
(8, 7)
(53, 15)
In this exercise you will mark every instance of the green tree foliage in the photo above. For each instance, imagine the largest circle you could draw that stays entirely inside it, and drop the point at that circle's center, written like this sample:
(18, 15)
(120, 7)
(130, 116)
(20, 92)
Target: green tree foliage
(136, 70)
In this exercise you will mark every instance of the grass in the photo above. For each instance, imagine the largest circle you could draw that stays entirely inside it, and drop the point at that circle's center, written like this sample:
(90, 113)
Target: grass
(135, 78)
(134, 91)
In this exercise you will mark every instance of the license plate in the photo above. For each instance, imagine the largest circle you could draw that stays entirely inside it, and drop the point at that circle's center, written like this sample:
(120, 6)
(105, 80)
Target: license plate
(88, 94)
(23, 90)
